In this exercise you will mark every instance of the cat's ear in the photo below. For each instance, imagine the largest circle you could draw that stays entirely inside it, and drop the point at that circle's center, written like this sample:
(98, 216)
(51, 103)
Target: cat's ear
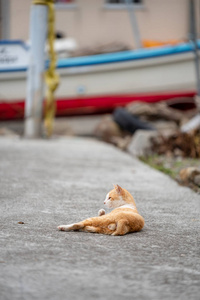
(118, 189)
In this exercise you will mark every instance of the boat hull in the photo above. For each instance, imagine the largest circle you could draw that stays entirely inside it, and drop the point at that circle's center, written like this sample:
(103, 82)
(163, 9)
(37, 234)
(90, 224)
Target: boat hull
(93, 105)
(102, 82)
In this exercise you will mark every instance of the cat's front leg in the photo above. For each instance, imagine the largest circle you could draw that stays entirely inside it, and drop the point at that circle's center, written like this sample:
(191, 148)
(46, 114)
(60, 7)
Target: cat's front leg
(101, 212)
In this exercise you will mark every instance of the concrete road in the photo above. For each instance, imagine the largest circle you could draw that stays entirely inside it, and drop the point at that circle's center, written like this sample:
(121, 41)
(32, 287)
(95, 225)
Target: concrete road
(48, 183)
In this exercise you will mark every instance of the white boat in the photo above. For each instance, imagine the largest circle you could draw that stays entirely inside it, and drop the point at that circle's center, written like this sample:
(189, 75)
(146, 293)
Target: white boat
(99, 83)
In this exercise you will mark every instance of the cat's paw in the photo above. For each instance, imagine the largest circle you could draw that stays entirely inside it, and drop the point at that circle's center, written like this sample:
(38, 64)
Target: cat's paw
(64, 227)
(101, 212)
(114, 233)
(112, 226)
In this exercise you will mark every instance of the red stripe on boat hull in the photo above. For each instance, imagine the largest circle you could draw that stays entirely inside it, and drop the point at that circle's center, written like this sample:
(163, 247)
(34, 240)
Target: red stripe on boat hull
(88, 105)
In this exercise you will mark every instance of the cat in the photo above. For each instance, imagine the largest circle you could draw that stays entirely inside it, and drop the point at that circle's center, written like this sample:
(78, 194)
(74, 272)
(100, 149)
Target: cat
(124, 218)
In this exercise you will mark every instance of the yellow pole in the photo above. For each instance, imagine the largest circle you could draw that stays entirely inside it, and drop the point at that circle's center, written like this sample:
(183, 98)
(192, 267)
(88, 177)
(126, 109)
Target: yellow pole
(36, 70)
(51, 77)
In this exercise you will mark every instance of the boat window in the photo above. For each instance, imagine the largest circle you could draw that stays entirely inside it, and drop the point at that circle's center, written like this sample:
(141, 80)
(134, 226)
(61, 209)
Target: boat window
(68, 4)
(123, 1)
(121, 4)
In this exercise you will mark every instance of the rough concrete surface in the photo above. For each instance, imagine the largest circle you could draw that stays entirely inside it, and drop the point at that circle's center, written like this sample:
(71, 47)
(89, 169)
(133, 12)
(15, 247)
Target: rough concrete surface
(48, 183)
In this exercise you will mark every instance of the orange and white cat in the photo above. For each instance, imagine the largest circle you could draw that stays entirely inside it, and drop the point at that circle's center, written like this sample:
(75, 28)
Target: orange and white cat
(122, 219)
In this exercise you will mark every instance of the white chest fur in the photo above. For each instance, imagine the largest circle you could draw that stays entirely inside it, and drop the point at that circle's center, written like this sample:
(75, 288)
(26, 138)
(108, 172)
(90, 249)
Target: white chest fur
(128, 206)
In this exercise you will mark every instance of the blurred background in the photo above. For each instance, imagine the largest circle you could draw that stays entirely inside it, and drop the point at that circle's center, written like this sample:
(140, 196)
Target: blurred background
(93, 23)
(129, 74)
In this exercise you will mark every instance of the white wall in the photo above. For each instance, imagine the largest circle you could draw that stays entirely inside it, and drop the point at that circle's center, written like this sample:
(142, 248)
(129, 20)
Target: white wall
(91, 23)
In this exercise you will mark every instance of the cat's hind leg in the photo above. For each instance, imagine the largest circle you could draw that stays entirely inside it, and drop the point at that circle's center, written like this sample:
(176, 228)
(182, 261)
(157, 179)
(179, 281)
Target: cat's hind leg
(92, 229)
(103, 230)
(98, 229)
(122, 228)
(75, 226)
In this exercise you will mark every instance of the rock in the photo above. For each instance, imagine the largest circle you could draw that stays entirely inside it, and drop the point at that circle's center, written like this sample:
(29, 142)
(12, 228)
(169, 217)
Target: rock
(189, 174)
(7, 132)
(165, 110)
(107, 129)
(140, 109)
(166, 128)
(197, 180)
(141, 143)
(121, 142)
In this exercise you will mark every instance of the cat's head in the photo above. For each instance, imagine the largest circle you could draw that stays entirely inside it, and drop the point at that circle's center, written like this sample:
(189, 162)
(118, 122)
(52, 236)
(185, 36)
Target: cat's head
(117, 197)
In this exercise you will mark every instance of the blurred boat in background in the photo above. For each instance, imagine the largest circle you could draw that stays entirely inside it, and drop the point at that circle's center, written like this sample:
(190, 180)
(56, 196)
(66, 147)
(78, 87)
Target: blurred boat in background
(99, 83)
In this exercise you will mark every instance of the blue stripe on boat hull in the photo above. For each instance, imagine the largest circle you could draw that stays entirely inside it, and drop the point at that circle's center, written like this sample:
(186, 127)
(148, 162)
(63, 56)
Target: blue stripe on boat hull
(124, 56)
(109, 58)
